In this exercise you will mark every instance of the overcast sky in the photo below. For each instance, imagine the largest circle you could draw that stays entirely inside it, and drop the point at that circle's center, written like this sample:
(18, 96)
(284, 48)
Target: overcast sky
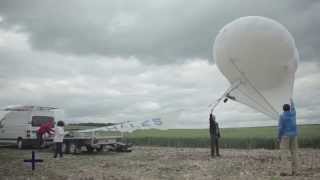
(116, 60)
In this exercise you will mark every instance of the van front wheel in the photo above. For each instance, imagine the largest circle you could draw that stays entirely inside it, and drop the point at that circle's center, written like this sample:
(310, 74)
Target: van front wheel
(19, 143)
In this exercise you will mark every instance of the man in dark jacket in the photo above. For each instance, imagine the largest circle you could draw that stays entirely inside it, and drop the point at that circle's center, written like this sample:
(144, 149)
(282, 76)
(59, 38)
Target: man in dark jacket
(214, 136)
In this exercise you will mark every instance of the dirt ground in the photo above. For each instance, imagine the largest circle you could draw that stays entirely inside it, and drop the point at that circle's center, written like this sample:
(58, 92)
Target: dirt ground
(158, 163)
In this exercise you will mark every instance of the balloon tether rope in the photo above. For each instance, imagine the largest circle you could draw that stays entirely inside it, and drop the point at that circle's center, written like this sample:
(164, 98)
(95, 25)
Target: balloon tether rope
(250, 83)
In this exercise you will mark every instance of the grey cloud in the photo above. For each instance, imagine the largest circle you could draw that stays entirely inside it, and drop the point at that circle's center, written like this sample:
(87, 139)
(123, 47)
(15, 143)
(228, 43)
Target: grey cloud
(155, 32)
(91, 91)
(98, 89)
(100, 61)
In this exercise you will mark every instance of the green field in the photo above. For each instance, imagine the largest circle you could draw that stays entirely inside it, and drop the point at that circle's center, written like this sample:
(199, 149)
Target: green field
(256, 137)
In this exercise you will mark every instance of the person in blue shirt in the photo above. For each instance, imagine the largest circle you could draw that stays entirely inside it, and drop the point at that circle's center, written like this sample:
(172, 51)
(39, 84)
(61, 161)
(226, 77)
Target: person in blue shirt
(288, 132)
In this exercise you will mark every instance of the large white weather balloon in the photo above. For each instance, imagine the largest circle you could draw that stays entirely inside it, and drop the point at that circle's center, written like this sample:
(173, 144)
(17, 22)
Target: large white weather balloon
(259, 58)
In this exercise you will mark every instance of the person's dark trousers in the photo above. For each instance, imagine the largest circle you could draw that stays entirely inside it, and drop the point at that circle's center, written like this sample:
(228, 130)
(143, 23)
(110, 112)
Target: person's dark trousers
(214, 145)
(216, 141)
(40, 140)
(58, 149)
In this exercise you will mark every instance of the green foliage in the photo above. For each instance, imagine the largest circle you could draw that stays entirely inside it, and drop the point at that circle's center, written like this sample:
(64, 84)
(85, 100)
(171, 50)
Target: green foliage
(243, 138)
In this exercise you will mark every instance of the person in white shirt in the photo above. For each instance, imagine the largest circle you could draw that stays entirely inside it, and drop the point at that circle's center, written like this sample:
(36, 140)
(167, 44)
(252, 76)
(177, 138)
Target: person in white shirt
(58, 138)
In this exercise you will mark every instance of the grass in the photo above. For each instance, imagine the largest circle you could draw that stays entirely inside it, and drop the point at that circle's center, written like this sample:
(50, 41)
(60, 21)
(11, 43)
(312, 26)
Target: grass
(245, 138)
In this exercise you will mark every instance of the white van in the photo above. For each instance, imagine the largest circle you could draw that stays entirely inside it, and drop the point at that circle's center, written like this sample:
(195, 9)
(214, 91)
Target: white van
(20, 123)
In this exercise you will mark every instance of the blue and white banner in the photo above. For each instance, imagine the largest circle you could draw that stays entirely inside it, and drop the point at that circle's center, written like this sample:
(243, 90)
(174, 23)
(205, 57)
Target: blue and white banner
(129, 126)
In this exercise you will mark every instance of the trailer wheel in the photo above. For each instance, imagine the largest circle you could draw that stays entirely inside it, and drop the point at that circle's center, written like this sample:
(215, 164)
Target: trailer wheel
(73, 148)
(89, 148)
(19, 143)
(100, 148)
(64, 148)
(67, 148)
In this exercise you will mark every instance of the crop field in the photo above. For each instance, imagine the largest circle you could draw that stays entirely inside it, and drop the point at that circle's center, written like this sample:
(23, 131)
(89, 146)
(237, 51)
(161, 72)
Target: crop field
(243, 138)
(240, 138)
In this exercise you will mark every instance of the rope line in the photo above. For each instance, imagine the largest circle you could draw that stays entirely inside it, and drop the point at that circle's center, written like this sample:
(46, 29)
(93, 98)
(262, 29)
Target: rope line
(250, 83)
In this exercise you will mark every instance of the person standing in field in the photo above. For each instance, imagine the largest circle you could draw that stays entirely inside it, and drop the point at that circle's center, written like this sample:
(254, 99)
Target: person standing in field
(287, 134)
(44, 128)
(58, 138)
(214, 136)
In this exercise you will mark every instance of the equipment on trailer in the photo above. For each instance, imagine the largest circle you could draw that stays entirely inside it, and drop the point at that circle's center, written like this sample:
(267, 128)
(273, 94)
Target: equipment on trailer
(75, 143)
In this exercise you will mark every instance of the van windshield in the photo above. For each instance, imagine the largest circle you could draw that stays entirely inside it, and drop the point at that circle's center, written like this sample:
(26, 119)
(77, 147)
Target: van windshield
(39, 120)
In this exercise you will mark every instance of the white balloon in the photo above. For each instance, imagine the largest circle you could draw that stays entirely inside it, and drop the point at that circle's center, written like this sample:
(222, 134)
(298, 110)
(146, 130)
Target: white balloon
(261, 54)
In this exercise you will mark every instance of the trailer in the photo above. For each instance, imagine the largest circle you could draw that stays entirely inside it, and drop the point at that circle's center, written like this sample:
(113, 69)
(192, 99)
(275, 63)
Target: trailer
(112, 136)
(75, 143)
